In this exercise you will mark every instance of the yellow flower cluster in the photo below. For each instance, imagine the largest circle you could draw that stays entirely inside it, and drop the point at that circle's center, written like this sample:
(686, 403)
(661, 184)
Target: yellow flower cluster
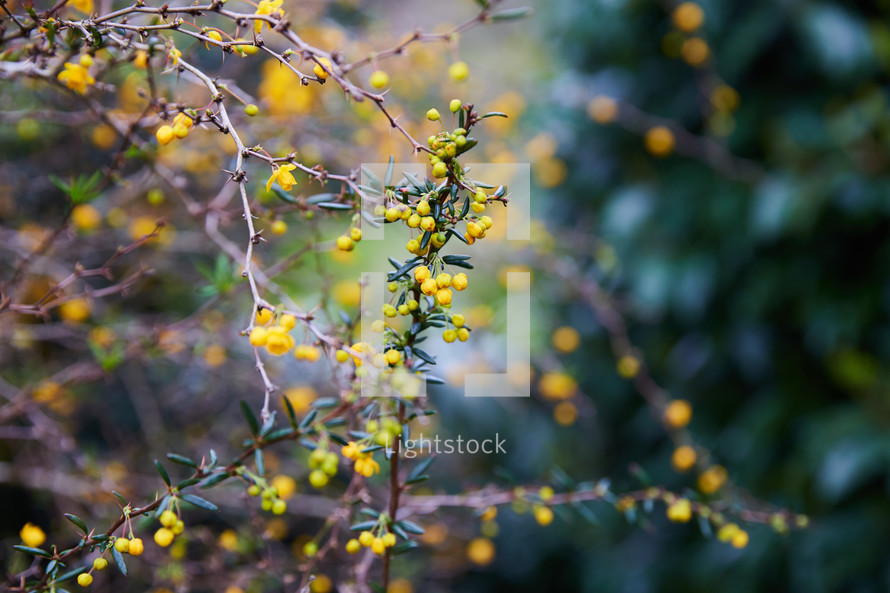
(323, 464)
(384, 431)
(272, 495)
(275, 336)
(171, 526)
(77, 76)
(182, 123)
(733, 534)
(347, 242)
(378, 543)
(364, 461)
(266, 8)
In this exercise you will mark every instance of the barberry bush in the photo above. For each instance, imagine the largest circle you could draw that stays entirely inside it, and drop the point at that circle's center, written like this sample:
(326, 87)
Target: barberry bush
(198, 396)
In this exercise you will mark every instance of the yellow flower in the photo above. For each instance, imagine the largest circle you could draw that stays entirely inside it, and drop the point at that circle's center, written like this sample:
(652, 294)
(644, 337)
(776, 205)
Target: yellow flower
(228, 540)
(76, 77)
(481, 551)
(212, 34)
(688, 17)
(321, 69)
(301, 397)
(678, 413)
(285, 485)
(459, 71)
(141, 60)
(175, 54)
(565, 413)
(557, 386)
(84, 6)
(543, 515)
(265, 7)
(279, 341)
(32, 535)
(566, 339)
(683, 458)
(602, 109)
(628, 366)
(85, 217)
(283, 176)
(75, 311)
(680, 511)
(712, 479)
(660, 141)
(366, 466)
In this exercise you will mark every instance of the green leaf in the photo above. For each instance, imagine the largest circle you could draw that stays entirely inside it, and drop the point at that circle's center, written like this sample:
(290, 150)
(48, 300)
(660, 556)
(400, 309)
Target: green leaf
(426, 239)
(78, 522)
(562, 478)
(80, 190)
(164, 475)
(363, 526)
(71, 573)
(465, 209)
(585, 512)
(324, 402)
(421, 468)
(181, 460)
(494, 114)
(399, 531)
(402, 271)
(119, 498)
(387, 180)
(373, 179)
(292, 416)
(705, 526)
(307, 420)
(411, 527)
(260, 463)
(318, 198)
(251, 419)
(119, 560)
(284, 196)
(458, 235)
(280, 433)
(33, 551)
(512, 14)
(456, 257)
(424, 356)
(213, 480)
(335, 206)
(199, 502)
(403, 547)
(268, 425)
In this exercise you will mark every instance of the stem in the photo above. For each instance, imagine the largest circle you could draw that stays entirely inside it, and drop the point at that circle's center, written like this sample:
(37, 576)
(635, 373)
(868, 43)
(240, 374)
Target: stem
(395, 489)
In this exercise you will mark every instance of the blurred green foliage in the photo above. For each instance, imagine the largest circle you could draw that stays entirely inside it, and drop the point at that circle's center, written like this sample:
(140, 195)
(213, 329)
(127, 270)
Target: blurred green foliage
(764, 300)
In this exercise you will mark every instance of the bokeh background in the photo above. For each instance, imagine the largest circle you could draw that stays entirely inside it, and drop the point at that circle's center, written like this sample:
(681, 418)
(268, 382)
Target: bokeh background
(747, 254)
